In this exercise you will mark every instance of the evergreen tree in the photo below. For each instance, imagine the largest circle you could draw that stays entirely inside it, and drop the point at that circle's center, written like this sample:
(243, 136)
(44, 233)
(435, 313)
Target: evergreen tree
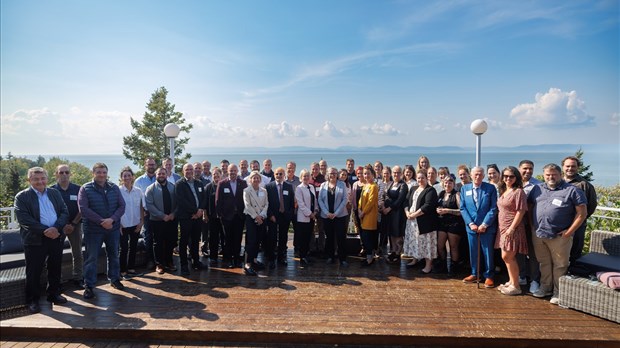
(583, 168)
(148, 139)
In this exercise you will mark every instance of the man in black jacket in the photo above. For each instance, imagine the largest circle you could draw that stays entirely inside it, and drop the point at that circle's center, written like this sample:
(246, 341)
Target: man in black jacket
(281, 196)
(42, 214)
(190, 209)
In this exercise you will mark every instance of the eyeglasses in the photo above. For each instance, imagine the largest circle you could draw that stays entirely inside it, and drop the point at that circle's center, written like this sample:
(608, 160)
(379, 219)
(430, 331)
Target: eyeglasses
(509, 177)
(64, 172)
(279, 173)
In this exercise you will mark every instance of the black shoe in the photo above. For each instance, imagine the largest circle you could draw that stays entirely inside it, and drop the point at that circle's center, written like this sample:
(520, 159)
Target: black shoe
(150, 265)
(258, 265)
(34, 308)
(231, 264)
(329, 261)
(344, 264)
(184, 270)
(282, 262)
(272, 265)
(117, 285)
(365, 263)
(79, 284)
(89, 293)
(249, 271)
(56, 299)
(213, 262)
(197, 266)
(304, 262)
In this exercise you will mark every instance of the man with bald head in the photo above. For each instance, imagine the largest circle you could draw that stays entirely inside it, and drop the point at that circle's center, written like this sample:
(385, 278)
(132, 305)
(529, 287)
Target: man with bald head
(229, 207)
(190, 208)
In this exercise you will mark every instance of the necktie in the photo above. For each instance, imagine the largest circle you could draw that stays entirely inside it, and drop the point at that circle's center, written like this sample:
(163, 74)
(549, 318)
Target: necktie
(281, 198)
(311, 199)
(476, 192)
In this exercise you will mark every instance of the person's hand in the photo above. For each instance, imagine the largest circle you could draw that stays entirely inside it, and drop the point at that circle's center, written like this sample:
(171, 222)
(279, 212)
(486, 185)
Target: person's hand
(482, 229)
(273, 219)
(259, 220)
(360, 213)
(139, 227)
(107, 223)
(565, 234)
(473, 227)
(51, 233)
(68, 229)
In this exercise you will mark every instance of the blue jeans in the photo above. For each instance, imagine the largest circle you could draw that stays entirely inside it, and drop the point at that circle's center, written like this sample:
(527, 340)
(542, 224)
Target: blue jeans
(487, 240)
(93, 242)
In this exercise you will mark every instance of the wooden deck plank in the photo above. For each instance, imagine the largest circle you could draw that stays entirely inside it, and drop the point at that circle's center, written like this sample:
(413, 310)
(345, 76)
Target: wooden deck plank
(322, 303)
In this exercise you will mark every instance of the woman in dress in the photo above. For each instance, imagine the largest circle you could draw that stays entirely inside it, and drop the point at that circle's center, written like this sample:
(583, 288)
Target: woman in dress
(421, 233)
(256, 204)
(395, 196)
(131, 222)
(512, 206)
(368, 210)
(333, 203)
(409, 176)
(451, 225)
(307, 208)
(210, 217)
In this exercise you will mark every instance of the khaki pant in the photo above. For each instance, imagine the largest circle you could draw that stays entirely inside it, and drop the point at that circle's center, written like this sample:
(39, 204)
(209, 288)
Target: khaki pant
(553, 255)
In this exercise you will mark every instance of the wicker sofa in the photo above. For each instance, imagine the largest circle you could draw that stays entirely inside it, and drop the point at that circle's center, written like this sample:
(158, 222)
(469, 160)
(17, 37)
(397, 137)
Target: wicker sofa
(591, 296)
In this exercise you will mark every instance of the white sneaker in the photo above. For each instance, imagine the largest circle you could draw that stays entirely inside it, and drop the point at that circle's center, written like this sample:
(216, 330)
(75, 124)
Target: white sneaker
(534, 286)
(555, 300)
(510, 290)
(522, 281)
(540, 293)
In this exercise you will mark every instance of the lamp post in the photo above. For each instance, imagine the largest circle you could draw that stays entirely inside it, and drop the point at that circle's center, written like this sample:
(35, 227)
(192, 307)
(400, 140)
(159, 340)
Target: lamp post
(171, 130)
(478, 127)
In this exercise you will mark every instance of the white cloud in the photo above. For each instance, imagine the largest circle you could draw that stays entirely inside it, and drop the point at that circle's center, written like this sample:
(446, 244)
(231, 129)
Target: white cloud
(222, 129)
(329, 129)
(385, 129)
(434, 127)
(284, 129)
(460, 125)
(614, 119)
(552, 109)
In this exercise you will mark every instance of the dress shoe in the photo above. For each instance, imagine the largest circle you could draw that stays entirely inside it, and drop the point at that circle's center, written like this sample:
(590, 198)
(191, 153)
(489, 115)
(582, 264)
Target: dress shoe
(56, 299)
(197, 266)
(282, 262)
(258, 265)
(117, 285)
(184, 270)
(159, 269)
(470, 279)
(89, 293)
(366, 263)
(249, 271)
(489, 283)
(231, 264)
(34, 308)
(304, 262)
(272, 265)
(78, 283)
(171, 268)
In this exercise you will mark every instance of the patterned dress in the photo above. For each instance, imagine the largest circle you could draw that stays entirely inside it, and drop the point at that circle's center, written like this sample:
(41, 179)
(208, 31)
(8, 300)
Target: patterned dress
(419, 246)
(508, 205)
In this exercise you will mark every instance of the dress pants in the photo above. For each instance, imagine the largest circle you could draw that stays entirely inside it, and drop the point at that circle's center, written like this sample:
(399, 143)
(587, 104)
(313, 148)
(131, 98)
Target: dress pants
(487, 241)
(369, 239)
(93, 242)
(277, 237)
(148, 235)
(215, 232)
(336, 234)
(129, 247)
(553, 255)
(164, 240)
(254, 233)
(528, 264)
(75, 240)
(233, 229)
(50, 252)
(190, 235)
(306, 229)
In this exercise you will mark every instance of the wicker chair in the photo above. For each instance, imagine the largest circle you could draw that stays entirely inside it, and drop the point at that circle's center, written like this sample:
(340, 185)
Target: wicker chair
(591, 296)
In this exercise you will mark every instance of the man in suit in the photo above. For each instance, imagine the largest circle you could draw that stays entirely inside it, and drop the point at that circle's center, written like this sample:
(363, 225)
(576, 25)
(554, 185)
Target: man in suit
(42, 215)
(479, 211)
(102, 207)
(162, 207)
(281, 196)
(190, 201)
(229, 207)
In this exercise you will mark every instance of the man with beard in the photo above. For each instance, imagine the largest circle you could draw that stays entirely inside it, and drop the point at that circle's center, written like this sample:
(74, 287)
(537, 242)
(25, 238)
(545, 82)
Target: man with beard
(571, 165)
(144, 181)
(189, 194)
(559, 209)
(528, 264)
(161, 205)
(229, 206)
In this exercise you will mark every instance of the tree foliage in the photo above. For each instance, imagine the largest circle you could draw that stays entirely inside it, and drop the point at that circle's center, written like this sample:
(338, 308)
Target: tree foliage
(148, 138)
(583, 168)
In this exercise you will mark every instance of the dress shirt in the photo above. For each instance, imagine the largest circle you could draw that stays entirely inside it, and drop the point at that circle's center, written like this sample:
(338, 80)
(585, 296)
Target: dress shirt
(133, 199)
(48, 213)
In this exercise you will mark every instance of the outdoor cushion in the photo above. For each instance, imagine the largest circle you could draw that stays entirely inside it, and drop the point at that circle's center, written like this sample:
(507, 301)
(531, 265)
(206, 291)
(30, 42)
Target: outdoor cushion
(611, 279)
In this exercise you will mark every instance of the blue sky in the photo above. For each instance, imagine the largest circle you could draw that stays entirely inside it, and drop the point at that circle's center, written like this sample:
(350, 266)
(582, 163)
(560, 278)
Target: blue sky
(314, 73)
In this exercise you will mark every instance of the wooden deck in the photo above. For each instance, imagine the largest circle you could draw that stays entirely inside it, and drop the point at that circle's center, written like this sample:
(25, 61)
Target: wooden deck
(322, 305)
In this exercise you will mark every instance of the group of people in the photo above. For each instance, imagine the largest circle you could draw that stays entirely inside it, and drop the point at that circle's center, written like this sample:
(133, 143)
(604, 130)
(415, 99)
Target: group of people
(419, 212)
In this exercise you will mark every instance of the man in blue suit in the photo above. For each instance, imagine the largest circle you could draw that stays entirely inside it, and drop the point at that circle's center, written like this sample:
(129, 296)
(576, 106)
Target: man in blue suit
(281, 208)
(479, 211)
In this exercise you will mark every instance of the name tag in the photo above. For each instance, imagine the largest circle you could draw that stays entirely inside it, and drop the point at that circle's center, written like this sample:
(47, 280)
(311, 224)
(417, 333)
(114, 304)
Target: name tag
(394, 189)
(261, 194)
(200, 189)
(226, 190)
(556, 202)
(284, 192)
(468, 193)
(73, 197)
(353, 177)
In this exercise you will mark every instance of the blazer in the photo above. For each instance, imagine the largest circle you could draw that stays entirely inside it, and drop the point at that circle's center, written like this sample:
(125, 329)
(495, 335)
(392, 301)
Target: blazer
(486, 210)
(229, 205)
(427, 203)
(256, 203)
(369, 204)
(154, 199)
(340, 199)
(209, 197)
(186, 202)
(303, 199)
(288, 197)
(28, 215)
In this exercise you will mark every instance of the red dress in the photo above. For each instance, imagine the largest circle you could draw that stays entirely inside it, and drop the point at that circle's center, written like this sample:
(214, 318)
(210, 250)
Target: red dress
(508, 205)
